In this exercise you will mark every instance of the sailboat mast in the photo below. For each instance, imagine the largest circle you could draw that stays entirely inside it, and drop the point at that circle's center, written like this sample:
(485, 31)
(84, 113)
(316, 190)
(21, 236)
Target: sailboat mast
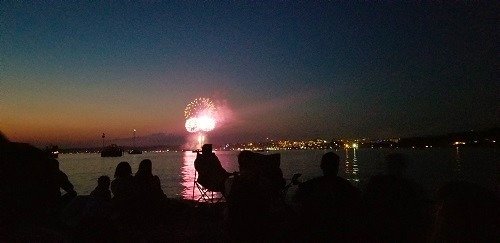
(133, 141)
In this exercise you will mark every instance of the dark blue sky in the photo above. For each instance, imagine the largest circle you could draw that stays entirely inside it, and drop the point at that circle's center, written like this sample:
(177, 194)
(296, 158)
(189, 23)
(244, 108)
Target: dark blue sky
(70, 70)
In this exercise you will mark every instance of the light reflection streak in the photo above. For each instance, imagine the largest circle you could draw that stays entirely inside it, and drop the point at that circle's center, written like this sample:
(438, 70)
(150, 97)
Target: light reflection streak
(458, 161)
(351, 167)
(188, 177)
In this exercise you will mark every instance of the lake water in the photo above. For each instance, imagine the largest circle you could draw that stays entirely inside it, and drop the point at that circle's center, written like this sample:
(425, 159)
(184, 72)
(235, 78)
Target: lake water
(431, 167)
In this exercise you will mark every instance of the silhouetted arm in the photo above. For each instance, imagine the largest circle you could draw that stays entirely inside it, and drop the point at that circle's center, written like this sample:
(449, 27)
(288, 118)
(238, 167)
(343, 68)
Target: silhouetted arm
(65, 184)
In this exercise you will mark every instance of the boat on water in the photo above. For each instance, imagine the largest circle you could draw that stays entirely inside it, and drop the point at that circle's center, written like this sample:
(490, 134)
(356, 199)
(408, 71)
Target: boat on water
(52, 151)
(135, 151)
(112, 151)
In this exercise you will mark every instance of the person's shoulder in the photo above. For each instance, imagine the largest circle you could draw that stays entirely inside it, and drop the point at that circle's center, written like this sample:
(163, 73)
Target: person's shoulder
(113, 183)
(381, 179)
(117, 182)
(311, 184)
(312, 181)
(344, 183)
(390, 181)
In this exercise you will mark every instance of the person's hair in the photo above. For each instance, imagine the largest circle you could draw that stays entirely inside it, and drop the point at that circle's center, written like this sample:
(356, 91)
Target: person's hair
(3, 139)
(103, 181)
(206, 149)
(145, 168)
(123, 169)
(330, 163)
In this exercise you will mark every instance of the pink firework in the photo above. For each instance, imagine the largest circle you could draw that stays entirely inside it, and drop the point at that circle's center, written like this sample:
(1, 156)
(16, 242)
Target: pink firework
(199, 115)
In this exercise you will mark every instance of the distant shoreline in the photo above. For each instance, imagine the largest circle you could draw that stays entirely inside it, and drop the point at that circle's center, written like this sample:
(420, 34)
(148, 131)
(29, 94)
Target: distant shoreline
(482, 138)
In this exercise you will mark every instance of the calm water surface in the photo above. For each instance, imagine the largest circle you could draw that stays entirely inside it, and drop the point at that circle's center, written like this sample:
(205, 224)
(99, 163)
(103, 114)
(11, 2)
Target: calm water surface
(429, 167)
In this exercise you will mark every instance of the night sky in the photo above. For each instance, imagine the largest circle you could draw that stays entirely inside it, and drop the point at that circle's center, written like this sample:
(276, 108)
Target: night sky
(70, 71)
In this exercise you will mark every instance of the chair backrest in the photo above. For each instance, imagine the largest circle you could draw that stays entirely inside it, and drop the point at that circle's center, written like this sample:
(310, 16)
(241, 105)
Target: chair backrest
(211, 174)
(262, 168)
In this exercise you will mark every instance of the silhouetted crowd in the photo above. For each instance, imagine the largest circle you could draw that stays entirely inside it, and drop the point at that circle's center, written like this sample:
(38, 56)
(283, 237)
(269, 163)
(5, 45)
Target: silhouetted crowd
(391, 208)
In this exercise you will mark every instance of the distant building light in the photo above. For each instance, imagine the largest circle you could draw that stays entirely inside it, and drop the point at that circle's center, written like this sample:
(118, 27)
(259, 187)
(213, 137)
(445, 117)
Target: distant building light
(458, 143)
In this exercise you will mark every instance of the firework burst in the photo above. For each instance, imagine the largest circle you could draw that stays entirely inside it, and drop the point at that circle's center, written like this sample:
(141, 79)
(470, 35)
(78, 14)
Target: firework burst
(198, 107)
(199, 115)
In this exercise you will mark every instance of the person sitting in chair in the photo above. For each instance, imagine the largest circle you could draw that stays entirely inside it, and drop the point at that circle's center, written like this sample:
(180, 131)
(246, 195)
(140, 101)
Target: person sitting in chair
(256, 209)
(211, 174)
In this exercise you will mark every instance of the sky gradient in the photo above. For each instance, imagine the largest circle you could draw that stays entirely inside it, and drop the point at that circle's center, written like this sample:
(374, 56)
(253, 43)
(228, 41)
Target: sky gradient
(70, 71)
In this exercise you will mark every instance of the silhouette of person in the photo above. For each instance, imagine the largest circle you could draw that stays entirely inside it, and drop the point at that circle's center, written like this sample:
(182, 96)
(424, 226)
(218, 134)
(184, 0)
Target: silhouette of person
(88, 217)
(122, 186)
(329, 205)
(102, 192)
(394, 205)
(148, 185)
(148, 188)
(30, 184)
(3, 139)
(63, 183)
(85, 211)
(124, 194)
(211, 174)
(466, 212)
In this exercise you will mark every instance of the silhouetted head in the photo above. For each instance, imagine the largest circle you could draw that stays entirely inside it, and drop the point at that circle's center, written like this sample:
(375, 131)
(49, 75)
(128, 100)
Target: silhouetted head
(123, 170)
(206, 149)
(3, 139)
(330, 164)
(145, 168)
(103, 181)
(395, 164)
